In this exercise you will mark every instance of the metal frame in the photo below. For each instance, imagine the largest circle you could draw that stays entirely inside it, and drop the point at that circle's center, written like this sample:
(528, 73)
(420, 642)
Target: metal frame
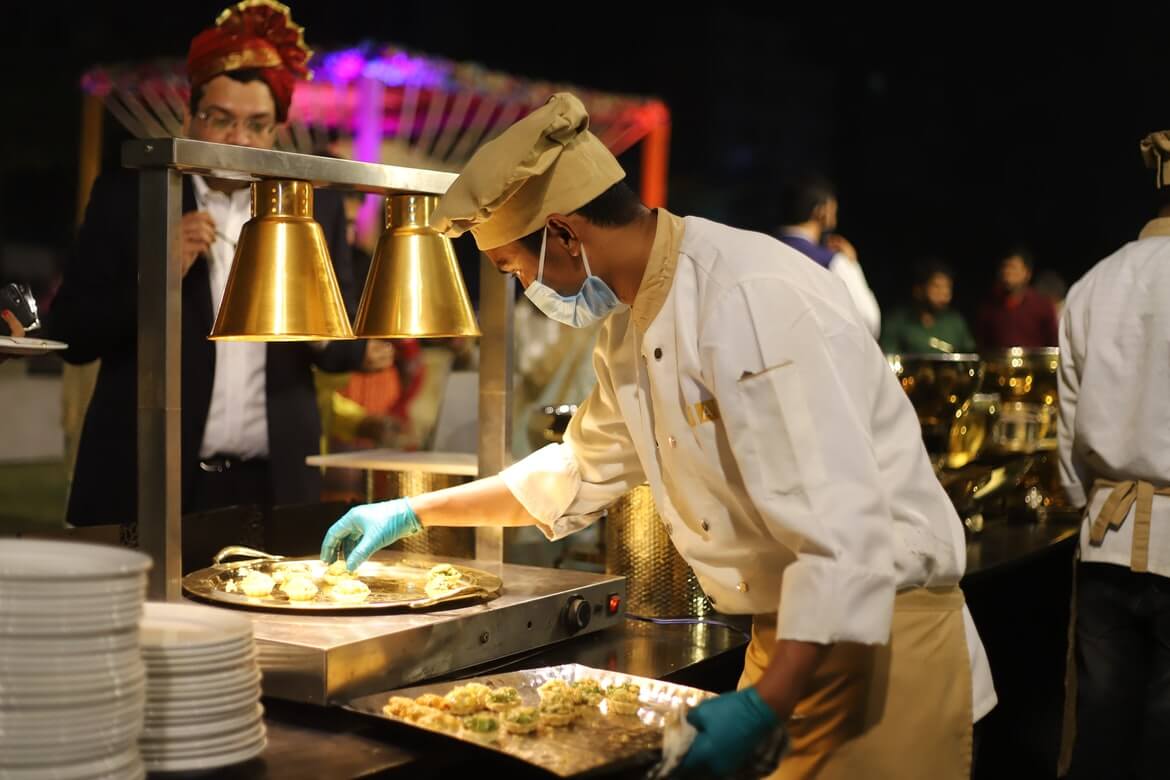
(161, 164)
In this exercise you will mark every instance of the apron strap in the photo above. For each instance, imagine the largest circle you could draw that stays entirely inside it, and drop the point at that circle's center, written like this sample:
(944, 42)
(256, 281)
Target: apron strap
(1124, 495)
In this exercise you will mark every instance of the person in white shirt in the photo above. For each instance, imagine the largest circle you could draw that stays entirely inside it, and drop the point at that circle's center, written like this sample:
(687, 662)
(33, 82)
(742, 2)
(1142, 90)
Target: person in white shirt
(808, 217)
(1114, 440)
(787, 464)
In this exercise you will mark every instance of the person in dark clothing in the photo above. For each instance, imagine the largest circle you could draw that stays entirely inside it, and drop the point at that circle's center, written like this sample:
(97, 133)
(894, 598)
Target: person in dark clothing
(249, 411)
(1016, 315)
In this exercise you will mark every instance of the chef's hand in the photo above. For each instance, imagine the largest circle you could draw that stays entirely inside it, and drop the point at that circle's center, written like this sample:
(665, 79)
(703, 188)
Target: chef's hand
(364, 530)
(196, 235)
(730, 727)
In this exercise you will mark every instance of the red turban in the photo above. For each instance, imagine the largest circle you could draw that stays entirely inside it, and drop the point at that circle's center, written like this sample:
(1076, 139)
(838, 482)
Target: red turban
(253, 34)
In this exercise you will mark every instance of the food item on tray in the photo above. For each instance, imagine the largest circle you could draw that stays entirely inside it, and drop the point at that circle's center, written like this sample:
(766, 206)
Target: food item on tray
(440, 721)
(400, 707)
(351, 590)
(299, 588)
(588, 692)
(480, 691)
(443, 579)
(553, 689)
(432, 700)
(558, 711)
(521, 720)
(337, 572)
(624, 699)
(462, 701)
(502, 699)
(257, 584)
(230, 586)
(482, 727)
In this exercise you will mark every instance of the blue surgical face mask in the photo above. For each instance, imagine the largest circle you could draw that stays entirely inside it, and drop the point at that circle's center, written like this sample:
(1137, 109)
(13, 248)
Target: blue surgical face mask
(591, 303)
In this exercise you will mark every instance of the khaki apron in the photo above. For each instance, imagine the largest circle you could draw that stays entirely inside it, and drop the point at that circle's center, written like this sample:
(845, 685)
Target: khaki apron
(1113, 513)
(901, 710)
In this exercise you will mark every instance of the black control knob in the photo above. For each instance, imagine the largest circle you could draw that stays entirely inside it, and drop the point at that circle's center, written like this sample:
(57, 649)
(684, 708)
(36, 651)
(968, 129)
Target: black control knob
(577, 614)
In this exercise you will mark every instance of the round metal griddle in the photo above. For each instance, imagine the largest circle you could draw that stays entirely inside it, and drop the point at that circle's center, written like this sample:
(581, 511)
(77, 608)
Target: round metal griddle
(393, 585)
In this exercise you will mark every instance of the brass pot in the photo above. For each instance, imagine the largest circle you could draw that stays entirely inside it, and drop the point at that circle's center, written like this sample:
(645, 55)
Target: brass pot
(1025, 380)
(938, 385)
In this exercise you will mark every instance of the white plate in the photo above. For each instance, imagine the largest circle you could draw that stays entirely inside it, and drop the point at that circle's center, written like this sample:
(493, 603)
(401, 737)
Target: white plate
(199, 710)
(240, 652)
(79, 682)
(75, 588)
(42, 605)
(235, 647)
(188, 626)
(245, 673)
(204, 762)
(33, 665)
(39, 560)
(53, 626)
(43, 695)
(123, 765)
(25, 345)
(160, 671)
(163, 732)
(64, 716)
(77, 648)
(195, 697)
(69, 747)
(194, 748)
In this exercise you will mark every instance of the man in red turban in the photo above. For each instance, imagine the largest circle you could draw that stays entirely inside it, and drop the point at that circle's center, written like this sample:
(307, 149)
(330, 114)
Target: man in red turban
(249, 408)
(255, 40)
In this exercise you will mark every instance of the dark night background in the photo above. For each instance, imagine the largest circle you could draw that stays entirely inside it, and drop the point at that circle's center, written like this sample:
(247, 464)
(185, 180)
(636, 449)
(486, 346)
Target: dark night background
(947, 138)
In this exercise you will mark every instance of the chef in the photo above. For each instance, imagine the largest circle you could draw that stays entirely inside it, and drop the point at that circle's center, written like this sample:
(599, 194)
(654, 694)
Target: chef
(1114, 462)
(787, 464)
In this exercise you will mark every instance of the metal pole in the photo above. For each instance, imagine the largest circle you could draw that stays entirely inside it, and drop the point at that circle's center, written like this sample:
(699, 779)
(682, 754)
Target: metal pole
(496, 294)
(159, 370)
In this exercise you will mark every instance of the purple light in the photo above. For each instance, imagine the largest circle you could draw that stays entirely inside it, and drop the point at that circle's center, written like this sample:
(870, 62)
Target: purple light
(400, 68)
(394, 69)
(342, 66)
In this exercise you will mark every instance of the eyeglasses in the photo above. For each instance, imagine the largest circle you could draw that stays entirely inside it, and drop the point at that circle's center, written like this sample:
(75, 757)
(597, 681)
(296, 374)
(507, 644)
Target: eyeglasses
(222, 122)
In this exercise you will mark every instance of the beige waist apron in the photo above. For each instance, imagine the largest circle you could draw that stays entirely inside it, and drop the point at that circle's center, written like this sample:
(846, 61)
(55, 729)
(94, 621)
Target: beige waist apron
(900, 710)
(1113, 512)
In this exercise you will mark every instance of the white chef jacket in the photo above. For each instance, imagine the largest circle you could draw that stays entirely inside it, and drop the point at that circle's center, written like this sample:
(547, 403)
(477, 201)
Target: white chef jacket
(1114, 372)
(785, 460)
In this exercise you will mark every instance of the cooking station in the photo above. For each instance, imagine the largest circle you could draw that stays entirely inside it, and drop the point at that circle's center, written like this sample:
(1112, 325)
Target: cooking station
(331, 658)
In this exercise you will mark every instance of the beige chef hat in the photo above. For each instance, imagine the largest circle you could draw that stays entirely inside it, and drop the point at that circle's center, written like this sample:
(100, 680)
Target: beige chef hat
(1156, 153)
(547, 163)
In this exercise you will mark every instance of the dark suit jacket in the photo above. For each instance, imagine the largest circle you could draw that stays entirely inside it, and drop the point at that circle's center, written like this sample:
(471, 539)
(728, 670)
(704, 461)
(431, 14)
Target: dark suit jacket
(95, 312)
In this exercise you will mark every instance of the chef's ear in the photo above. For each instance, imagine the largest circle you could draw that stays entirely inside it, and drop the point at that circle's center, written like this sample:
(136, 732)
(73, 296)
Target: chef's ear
(562, 233)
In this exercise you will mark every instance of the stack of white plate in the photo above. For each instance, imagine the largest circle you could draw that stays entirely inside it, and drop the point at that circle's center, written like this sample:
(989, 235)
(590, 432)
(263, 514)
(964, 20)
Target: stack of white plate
(72, 682)
(203, 689)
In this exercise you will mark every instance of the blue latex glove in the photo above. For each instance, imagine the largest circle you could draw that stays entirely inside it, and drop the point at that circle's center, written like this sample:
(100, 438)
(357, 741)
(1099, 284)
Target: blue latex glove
(730, 728)
(364, 530)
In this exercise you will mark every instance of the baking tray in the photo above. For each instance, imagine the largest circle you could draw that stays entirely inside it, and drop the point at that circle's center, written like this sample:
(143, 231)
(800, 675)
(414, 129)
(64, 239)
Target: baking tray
(599, 742)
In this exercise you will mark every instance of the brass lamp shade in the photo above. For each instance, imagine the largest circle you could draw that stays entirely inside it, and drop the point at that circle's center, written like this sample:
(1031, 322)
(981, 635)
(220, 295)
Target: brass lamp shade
(414, 289)
(282, 286)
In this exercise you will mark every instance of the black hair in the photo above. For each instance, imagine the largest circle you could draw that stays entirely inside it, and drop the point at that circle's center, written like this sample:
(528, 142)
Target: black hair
(927, 268)
(1020, 252)
(618, 206)
(801, 195)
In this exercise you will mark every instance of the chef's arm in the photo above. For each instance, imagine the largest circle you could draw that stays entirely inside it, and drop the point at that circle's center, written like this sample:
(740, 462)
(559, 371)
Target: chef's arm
(787, 676)
(485, 501)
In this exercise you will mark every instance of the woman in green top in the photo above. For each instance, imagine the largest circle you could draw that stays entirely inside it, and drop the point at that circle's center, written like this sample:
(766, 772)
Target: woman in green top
(929, 324)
